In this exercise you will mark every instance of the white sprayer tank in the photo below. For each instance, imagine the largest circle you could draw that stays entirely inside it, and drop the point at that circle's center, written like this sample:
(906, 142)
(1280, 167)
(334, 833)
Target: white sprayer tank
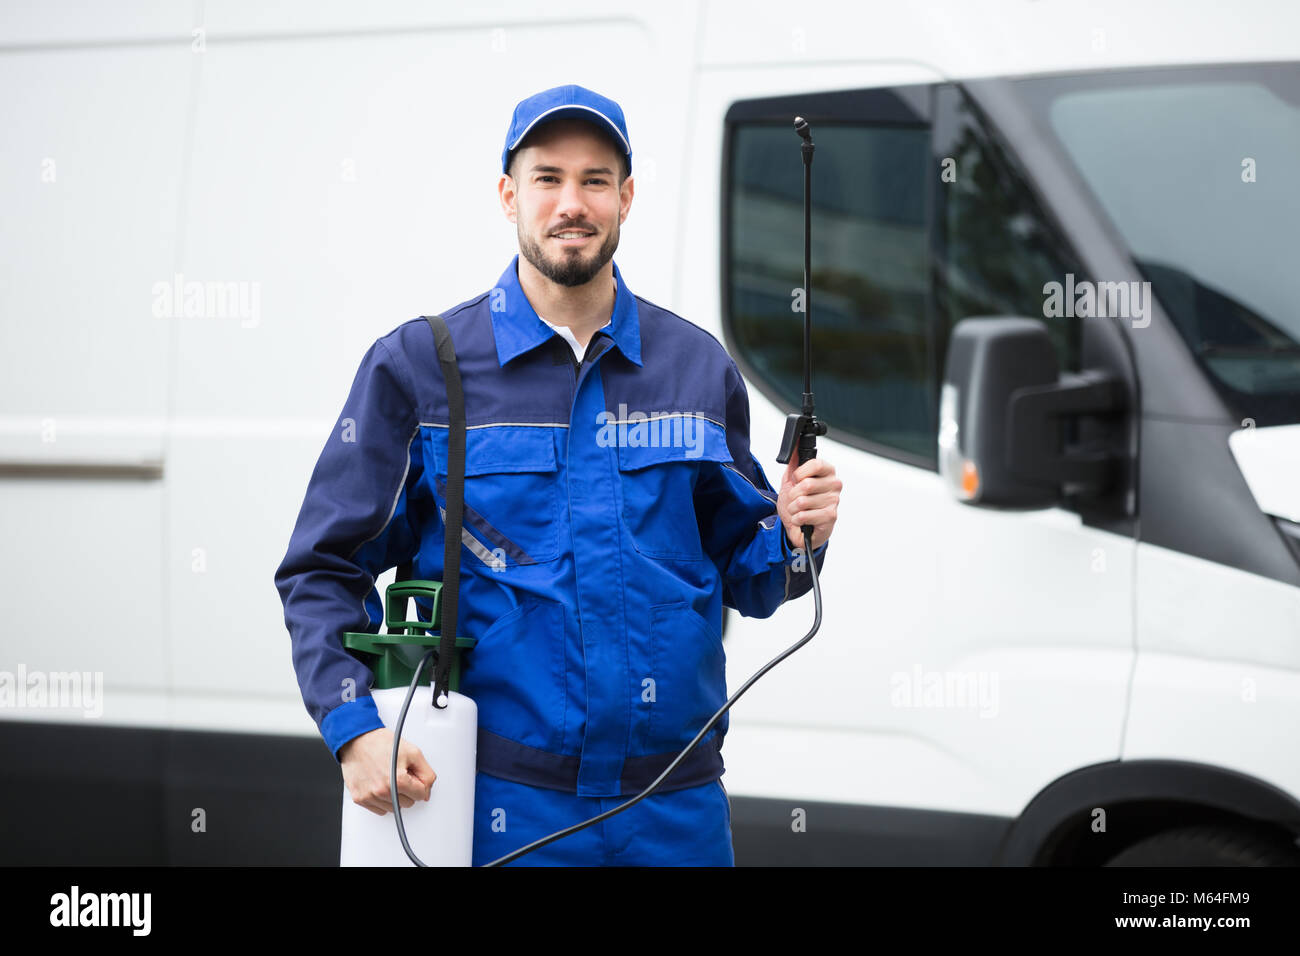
(441, 829)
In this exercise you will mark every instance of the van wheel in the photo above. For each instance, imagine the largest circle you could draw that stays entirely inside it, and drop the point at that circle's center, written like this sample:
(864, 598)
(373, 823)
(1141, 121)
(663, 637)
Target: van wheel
(1208, 846)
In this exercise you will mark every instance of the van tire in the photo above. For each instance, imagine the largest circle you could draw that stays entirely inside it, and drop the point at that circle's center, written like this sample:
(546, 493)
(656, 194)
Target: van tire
(1207, 846)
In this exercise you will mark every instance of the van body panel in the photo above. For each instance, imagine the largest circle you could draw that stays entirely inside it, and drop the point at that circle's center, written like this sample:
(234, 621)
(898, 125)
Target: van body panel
(1217, 680)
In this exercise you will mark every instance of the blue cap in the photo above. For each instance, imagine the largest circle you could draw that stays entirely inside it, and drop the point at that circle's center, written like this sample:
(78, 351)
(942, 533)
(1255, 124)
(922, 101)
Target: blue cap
(564, 102)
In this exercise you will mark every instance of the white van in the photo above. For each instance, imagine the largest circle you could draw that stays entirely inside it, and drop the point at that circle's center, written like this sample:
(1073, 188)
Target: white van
(1053, 342)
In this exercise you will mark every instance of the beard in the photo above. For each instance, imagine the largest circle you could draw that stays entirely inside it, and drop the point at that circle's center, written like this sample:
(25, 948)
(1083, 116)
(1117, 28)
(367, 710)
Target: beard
(571, 267)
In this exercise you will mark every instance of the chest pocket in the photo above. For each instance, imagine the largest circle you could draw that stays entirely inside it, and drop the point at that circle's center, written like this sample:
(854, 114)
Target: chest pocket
(511, 492)
(659, 484)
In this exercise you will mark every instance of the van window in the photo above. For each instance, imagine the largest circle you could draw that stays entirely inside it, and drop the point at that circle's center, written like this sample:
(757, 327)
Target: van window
(996, 247)
(873, 369)
(904, 246)
(1196, 169)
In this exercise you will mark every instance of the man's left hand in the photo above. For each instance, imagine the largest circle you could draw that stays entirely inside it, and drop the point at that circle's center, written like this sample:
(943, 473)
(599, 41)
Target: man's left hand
(810, 494)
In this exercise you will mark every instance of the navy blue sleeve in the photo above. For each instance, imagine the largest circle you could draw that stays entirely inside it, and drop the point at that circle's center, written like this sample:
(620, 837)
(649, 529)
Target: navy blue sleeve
(739, 524)
(354, 524)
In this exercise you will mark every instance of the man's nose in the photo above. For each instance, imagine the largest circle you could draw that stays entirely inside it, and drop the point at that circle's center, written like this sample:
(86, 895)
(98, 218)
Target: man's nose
(573, 201)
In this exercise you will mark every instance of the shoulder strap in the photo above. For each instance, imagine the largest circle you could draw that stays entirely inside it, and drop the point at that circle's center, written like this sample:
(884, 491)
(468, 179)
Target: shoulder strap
(455, 505)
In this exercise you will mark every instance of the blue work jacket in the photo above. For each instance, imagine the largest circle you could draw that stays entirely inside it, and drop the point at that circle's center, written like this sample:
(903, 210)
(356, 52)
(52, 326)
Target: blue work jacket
(611, 509)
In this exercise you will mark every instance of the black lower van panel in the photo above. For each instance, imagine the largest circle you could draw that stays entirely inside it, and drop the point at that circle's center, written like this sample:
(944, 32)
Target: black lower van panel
(74, 795)
(764, 833)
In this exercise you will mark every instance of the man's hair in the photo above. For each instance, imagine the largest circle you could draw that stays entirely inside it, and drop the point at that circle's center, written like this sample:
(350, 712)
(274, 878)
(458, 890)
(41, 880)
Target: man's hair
(624, 166)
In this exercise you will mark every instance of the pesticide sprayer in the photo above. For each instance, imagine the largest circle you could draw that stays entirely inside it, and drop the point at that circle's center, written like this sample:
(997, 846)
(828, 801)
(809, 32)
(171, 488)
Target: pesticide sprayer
(445, 726)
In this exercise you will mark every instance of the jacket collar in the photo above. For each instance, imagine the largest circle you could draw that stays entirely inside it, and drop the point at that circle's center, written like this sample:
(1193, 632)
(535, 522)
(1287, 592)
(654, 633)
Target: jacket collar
(516, 327)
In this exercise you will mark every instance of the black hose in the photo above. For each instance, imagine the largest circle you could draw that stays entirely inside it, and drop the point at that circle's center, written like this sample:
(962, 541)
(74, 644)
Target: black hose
(397, 742)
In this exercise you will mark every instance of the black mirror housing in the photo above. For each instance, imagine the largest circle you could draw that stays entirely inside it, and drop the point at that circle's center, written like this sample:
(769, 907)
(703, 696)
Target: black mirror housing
(1001, 418)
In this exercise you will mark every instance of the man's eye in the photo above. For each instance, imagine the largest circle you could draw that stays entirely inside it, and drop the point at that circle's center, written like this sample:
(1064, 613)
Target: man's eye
(592, 180)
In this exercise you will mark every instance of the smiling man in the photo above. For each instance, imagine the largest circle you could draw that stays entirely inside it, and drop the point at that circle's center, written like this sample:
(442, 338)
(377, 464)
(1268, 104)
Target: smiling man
(583, 225)
(568, 200)
(594, 571)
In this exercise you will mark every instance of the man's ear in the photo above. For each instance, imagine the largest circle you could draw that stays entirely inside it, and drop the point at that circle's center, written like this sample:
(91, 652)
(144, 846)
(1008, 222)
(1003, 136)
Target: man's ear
(506, 191)
(625, 199)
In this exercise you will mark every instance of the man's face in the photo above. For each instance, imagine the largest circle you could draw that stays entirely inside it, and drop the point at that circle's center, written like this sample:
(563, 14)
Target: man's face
(566, 200)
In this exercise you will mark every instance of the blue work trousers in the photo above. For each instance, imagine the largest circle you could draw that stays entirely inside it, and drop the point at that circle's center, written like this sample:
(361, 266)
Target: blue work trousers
(689, 827)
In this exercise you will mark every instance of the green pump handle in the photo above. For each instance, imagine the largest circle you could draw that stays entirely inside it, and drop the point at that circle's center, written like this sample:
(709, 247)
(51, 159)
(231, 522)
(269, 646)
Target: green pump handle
(397, 652)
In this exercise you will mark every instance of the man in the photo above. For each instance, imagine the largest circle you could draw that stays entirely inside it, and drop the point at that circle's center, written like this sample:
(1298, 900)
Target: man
(612, 505)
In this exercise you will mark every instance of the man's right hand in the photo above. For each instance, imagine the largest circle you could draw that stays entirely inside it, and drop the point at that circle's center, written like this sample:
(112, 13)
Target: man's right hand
(367, 766)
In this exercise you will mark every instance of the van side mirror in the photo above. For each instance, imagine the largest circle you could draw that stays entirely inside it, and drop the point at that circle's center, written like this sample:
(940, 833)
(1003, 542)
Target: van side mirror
(1002, 415)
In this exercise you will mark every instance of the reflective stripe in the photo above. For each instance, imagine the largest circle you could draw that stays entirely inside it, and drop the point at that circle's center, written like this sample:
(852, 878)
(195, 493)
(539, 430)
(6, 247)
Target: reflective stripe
(401, 486)
(485, 528)
(653, 418)
(483, 554)
(498, 424)
(397, 496)
(759, 488)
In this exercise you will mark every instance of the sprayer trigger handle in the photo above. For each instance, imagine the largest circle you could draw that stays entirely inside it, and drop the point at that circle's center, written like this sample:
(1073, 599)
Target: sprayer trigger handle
(793, 427)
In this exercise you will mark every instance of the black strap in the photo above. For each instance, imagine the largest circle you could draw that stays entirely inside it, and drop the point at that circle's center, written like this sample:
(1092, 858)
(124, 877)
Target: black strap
(455, 504)
(404, 571)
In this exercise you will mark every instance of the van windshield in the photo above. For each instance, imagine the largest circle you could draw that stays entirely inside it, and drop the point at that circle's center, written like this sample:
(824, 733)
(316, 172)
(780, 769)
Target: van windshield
(1198, 170)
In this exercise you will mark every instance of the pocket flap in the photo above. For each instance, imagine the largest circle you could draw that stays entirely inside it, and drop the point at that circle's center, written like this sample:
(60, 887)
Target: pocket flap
(670, 438)
(497, 449)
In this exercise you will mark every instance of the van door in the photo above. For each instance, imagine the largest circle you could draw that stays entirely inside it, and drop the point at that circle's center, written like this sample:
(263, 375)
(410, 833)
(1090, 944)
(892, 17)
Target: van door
(967, 657)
